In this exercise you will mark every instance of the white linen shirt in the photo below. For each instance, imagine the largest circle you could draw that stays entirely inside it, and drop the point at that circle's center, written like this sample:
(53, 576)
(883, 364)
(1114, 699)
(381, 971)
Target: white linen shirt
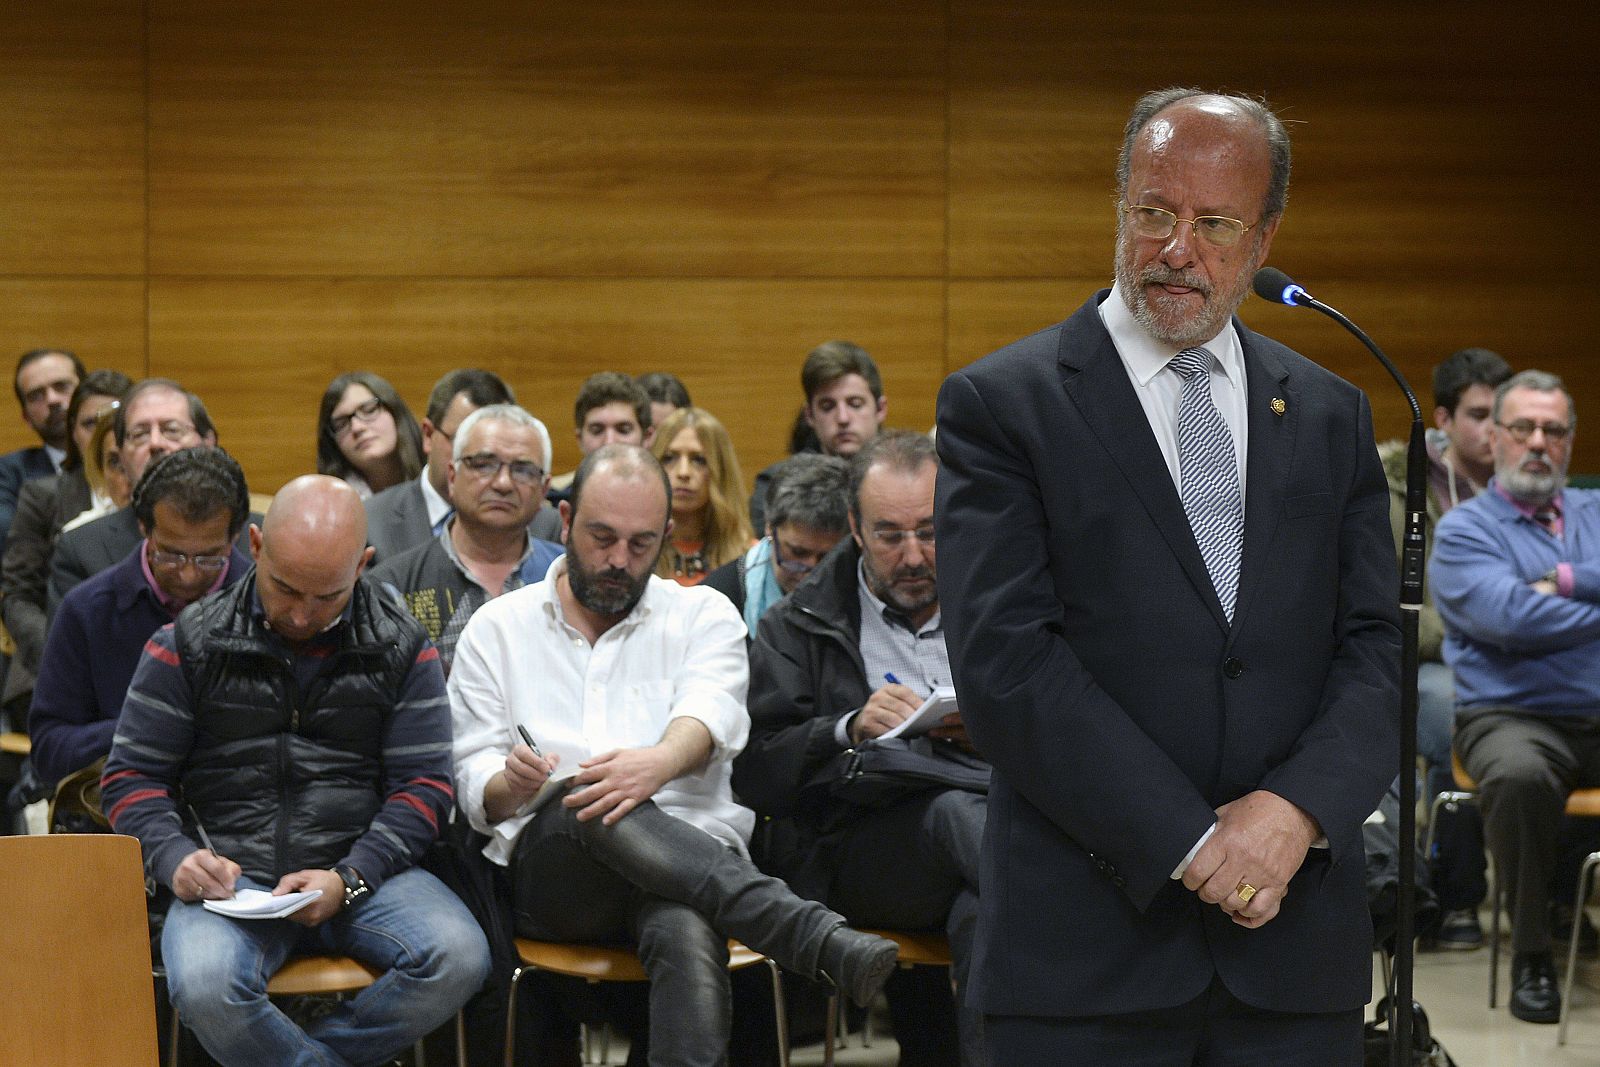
(679, 653)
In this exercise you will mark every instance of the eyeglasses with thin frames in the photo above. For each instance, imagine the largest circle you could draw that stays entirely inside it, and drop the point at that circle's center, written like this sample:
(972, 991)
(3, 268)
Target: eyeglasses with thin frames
(897, 538)
(1522, 429)
(172, 431)
(1157, 223)
(790, 566)
(176, 560)
(487, 466)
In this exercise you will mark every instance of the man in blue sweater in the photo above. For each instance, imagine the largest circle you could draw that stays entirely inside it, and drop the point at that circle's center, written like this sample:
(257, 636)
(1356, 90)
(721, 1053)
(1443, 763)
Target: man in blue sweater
(1516, 577)
(190, 506)
(291, 733)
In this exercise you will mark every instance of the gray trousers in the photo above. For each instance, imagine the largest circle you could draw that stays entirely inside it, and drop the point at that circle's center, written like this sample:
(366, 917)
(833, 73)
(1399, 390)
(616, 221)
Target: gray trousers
(914, 866)
(1525, 764)
(678, 894)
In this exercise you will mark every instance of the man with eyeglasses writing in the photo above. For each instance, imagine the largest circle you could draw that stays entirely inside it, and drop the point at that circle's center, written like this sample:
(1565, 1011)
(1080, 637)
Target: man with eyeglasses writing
(847, 656)
(158, 416)
(191, 506)
(1516, 577)
(496, 480)
(1170, 590)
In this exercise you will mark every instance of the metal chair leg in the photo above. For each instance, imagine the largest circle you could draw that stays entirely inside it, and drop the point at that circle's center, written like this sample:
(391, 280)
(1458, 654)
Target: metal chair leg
(780, 1013)
(511, 1017)
(1572, 943)
(830, 1029)
(1495, 896)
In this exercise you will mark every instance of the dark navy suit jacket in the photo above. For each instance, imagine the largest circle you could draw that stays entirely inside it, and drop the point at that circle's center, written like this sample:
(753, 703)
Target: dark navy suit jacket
(17, 467)
(1096, 670)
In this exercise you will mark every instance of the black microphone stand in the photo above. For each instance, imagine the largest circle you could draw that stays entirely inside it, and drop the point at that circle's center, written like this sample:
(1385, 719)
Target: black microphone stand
(1412, 557)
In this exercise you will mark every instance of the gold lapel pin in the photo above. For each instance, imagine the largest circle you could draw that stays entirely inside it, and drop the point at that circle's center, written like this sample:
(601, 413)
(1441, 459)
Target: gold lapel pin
(1278, 406)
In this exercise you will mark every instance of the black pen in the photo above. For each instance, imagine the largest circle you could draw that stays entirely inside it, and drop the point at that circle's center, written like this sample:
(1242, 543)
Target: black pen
(205, 838)
(527, 739)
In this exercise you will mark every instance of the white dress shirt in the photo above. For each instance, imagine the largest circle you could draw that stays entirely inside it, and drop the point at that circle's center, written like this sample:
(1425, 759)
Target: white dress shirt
(439, 508)
(1159, 389)
(679, 653)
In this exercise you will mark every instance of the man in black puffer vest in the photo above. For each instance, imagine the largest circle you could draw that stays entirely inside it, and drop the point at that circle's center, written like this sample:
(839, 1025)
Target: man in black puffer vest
(291, 733)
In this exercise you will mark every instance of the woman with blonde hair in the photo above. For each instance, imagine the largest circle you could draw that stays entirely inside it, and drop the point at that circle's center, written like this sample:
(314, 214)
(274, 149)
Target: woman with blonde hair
(709, 523)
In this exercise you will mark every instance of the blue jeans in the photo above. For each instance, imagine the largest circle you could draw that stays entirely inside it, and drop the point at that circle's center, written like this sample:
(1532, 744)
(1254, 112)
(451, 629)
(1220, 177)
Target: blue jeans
(433, 951)
(677, 893)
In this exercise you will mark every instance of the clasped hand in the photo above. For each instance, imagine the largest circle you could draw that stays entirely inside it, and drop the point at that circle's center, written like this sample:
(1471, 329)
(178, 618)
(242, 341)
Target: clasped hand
(1260, 840)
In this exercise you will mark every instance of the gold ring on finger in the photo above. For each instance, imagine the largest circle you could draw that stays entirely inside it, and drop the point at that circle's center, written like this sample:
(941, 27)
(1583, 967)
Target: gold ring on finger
(1245, 891)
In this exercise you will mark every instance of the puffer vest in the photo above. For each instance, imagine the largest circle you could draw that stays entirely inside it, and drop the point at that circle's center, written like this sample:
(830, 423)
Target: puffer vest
(285, 780)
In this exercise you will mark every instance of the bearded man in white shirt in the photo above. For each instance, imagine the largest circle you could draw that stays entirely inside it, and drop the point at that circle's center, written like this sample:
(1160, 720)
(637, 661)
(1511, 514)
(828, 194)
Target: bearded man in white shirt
(632, 688)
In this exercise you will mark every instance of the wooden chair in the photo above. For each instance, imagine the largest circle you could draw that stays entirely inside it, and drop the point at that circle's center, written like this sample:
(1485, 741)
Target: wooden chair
(614, 963)
(918, 948)
(1582, 804)
(326, 976)
(75, 981)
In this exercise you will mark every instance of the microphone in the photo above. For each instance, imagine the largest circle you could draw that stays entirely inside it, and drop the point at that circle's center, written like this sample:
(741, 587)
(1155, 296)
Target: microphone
(1272, 284)
(1277, 287)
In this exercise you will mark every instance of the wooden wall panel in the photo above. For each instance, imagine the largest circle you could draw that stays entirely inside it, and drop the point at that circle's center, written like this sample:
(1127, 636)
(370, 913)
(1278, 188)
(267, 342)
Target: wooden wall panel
(555, 188)
(651, 137)
(1433, 146)
(260, 351)
(102, 320)
(72, 142)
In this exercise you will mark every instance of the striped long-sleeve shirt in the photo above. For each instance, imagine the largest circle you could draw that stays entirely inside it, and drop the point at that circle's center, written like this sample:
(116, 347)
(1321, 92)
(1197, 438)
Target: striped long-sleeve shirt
(156, 736)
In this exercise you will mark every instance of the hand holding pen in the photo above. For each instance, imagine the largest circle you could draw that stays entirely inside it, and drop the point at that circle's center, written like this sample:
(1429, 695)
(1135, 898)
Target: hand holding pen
(884, 710)
(204, 875)
(527, 767)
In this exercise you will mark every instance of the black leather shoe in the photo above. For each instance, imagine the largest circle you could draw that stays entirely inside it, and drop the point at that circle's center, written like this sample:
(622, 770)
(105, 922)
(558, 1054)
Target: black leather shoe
(1459, 931)
(857, 964)
(1534, 995)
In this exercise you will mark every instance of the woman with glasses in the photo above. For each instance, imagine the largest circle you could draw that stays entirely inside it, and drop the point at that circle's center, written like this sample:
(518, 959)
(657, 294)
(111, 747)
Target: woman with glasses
(806, 517)
(709, 522)
(366, 434)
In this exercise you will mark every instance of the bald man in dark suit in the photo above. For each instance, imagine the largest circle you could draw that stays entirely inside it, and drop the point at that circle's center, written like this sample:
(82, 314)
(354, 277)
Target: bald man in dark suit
(1170, 598)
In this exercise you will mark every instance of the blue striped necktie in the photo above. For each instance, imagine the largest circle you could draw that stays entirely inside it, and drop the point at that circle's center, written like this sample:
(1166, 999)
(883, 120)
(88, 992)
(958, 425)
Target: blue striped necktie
(1208, 476)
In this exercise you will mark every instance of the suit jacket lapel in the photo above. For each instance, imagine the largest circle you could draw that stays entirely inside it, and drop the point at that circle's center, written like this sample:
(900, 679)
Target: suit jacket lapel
(1270, 458)
(1096, 382)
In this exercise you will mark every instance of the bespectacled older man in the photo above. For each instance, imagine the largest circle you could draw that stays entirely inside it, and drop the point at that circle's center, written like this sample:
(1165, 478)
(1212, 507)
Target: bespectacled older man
(1516, 576)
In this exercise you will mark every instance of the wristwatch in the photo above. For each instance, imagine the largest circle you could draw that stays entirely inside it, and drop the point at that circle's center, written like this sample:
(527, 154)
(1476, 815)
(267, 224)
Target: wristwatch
(355, 887)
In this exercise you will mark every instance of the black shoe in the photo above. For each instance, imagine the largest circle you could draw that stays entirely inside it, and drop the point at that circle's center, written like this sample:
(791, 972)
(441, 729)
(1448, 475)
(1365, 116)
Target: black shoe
(1534, 996)
(856, 964)
(1459, 931)
(1561, 930)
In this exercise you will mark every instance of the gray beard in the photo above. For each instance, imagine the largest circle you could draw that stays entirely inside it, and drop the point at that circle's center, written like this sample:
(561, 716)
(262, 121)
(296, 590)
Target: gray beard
(1198, 330)
(1531, 489)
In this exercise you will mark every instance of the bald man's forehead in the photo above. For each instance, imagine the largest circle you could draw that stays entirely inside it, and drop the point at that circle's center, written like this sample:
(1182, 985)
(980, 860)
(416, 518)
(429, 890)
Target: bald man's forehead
(620, 486)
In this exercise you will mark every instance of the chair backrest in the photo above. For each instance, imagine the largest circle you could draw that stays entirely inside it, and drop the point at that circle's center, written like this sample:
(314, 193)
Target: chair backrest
(75, 944)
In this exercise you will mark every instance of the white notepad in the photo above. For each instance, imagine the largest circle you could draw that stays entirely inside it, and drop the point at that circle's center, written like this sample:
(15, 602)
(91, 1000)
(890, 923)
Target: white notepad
(940, 702)
(259, 904)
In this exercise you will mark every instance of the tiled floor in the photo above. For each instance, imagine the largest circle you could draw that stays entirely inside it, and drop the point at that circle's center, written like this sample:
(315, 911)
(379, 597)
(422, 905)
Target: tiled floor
(1453, 987)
